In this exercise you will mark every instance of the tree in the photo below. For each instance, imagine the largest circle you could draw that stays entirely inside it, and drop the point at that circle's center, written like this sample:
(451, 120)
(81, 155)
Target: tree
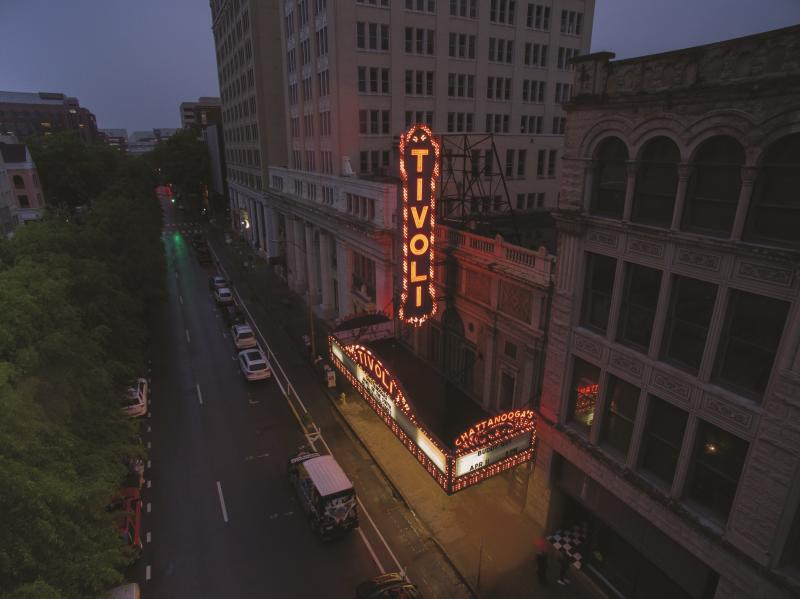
(183, 161)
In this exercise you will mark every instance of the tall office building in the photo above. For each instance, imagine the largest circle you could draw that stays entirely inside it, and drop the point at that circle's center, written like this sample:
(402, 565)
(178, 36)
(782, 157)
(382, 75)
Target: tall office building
(670, 422)
(315, 100)
(43, 113)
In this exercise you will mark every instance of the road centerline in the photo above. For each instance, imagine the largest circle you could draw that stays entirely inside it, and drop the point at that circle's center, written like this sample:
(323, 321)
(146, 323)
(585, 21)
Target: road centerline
(222, 502)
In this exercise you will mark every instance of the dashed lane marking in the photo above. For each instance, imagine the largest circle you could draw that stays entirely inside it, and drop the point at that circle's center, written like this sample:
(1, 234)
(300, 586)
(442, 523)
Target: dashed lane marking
(222, 502)
(147, 573)
(188, 338)
(199, 394)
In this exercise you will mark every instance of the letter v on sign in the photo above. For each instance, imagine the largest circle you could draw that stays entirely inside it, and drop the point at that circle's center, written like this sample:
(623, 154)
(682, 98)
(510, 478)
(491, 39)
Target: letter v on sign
(419, 219)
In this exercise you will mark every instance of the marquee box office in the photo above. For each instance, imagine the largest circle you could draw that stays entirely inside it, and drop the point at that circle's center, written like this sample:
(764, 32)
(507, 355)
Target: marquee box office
(454, 439)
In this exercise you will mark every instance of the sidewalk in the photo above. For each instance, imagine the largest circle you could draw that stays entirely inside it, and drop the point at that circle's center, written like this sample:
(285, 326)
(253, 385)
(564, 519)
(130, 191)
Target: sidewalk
(481, 529)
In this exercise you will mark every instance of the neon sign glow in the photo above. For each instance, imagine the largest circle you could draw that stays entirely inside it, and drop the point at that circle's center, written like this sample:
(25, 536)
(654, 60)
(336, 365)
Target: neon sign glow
(419, 170)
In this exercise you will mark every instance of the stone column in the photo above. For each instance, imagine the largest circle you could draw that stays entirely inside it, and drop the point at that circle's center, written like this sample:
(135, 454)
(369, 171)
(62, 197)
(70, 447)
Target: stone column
(344, 277)
(312, 265)
(684, 172)
(383, 287)
(745, 197)
(488, 367)
(630, 186)
(326, 274)
(298, 249)
(525, 395)
(588, 183)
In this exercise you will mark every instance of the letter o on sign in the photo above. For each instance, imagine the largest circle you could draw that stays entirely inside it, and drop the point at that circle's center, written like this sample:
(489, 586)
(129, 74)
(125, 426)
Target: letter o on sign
(418, 244)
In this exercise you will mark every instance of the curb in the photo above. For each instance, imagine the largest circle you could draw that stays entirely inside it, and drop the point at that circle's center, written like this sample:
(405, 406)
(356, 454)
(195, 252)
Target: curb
(396, 491)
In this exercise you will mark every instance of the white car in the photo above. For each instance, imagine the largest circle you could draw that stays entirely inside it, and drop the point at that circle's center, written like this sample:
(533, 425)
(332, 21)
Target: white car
(134, 404)
(223, 296)
(254, 365)
(243, 336)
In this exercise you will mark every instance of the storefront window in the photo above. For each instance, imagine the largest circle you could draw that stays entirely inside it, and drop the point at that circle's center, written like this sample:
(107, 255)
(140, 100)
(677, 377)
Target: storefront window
(663, 437)
(583, 400)
(717, 462)
(621, 403)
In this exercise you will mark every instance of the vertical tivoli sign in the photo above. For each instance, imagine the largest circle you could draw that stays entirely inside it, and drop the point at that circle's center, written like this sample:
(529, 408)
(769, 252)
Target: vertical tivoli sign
(419, 170)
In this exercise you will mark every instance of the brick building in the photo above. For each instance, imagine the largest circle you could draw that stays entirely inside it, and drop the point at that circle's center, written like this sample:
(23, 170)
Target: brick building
(670, 413)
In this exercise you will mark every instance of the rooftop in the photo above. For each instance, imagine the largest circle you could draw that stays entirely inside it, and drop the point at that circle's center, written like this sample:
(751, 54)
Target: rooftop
(55, 99)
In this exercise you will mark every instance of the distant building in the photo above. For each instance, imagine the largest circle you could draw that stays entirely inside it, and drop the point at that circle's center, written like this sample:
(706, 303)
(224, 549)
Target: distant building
(116, 138)
(670, 422)
(205, 116)
(206, 111)
(21, 197)
(141, 142)
(42, 113)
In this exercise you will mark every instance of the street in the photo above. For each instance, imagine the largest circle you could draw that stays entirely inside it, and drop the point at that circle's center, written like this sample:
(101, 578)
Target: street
(220, 519)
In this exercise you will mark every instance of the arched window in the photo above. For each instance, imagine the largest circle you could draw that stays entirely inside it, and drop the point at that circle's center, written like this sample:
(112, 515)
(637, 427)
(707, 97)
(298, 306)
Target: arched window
(775, 209)
(714, 186)
(18, 182)
(656, 183)
(610, 178)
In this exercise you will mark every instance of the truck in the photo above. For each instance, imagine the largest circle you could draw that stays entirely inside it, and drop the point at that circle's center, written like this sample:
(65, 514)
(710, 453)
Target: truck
(325, 493)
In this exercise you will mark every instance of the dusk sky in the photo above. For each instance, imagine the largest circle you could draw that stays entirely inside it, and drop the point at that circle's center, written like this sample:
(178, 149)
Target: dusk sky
(133, 62)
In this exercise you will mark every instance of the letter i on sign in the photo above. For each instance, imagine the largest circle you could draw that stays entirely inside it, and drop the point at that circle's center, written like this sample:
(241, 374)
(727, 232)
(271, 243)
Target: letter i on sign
(419, 170)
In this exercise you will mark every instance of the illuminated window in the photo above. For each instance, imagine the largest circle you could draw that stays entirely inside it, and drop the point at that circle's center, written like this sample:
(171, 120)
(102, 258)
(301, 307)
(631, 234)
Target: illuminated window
(583, 394)
(638, 309)
(662, 439)
(688, 318)
(598, 286)
(750, 337)
(621, 402)
(716, 465)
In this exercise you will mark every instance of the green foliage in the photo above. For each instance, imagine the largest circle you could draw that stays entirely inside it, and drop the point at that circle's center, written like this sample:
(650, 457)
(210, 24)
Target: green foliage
(183, 161)
(76, 299)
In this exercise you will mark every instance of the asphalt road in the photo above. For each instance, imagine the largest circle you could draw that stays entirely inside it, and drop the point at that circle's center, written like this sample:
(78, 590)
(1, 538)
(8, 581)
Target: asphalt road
(220, 519)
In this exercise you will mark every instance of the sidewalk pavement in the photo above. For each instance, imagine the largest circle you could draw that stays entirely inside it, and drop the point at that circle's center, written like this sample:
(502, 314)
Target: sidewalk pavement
(482, 529)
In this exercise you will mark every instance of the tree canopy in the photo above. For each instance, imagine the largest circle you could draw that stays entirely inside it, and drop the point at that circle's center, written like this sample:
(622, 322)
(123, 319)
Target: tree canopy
(76, 300)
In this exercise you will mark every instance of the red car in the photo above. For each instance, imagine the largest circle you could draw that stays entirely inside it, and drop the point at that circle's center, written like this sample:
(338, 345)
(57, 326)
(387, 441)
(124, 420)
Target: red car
(128, 505)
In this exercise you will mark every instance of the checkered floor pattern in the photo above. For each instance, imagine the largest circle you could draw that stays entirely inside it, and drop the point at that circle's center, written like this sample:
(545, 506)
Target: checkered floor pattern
(569, 541)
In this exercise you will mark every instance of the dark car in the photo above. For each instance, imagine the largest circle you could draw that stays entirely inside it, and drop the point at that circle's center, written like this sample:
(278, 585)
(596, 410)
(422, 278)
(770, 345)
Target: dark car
(387, 586)
(233, 314)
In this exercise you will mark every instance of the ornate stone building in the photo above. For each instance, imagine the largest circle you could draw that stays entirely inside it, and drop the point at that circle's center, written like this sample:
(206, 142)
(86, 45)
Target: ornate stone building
(670, 412)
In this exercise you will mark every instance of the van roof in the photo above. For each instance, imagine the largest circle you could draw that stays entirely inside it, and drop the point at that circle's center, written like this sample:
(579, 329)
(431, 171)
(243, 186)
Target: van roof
(327, 475)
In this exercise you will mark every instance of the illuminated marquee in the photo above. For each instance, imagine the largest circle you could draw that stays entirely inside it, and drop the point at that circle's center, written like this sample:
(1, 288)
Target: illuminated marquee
(419, 171)
(485, 449)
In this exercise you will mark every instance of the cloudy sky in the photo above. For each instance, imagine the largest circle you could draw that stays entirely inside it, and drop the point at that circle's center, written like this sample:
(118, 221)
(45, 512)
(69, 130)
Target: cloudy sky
(132, 62)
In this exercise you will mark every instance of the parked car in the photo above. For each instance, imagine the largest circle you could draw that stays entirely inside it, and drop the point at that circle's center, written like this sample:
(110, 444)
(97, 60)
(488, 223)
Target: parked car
(243, 336)
(254, 365)
(217, 282)
(134, 402)
(128, 505)
(228, 239)
(223, 295)
(325, 492)
(203, 254)
(387, 586)
(233, 314)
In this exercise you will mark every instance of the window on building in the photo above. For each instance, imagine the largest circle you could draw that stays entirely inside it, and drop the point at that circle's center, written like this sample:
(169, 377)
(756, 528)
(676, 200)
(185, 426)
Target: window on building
(714, 472)
(583, 394)
(552, 160)
(421, 5)
(598, 286)
(688, 317)
(774, 213)
(464, 8)
(538, 17)
(502, 11)
(656, 183)
(638, 308)
(662, 439)
(714, 186)
(571, 22)
(622, 399)
(791, 550)
(750, 337)
(23, 201)
(610, 178)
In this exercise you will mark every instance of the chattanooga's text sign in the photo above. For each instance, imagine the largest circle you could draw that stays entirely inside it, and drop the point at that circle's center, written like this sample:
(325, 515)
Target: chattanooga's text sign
(486, 456)
(419, 170)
